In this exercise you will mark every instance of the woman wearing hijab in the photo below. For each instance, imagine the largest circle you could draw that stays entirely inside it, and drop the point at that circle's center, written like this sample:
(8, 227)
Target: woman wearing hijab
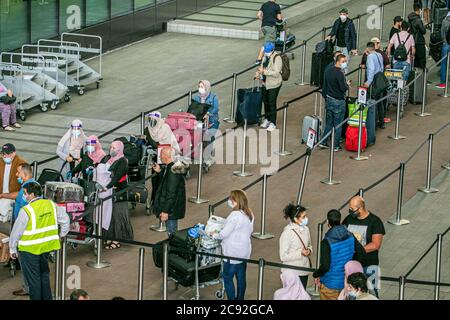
(119, 226)
(158, 132)
(70, 145)
(350, 268)
(206, 96)
(92, 155)
(292, 287)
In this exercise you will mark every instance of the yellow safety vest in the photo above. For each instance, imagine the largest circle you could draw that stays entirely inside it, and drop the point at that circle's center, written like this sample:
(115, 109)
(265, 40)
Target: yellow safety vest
(41, 235)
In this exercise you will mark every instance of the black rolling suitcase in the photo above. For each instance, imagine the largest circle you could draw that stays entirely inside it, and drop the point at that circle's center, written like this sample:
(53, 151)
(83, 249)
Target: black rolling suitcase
(249, 105)
(318, 65)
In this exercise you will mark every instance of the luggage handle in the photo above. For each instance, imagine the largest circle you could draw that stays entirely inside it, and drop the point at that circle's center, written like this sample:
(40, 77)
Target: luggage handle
(258, 86)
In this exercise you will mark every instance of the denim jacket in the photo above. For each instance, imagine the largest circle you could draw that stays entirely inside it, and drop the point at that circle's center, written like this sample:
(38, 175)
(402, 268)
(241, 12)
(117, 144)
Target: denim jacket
(212, 100)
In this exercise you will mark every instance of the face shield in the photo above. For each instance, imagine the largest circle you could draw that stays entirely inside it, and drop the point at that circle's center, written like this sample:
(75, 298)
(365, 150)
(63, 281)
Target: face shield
(90, 146)
(152, 119)
(76, 131)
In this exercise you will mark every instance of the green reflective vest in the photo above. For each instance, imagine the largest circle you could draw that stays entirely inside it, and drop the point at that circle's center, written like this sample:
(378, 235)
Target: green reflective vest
(41, 235)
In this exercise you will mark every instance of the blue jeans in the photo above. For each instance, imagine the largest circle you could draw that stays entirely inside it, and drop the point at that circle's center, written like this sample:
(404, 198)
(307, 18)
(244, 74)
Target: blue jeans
(37, 274)
(445, 51)
(405, 66)
(229, 272)
(335, 114)
(171, 226)
(369, 271)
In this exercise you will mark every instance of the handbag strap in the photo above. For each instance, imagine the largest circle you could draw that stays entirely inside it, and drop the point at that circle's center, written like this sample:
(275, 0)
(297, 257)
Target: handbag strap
(304, 247)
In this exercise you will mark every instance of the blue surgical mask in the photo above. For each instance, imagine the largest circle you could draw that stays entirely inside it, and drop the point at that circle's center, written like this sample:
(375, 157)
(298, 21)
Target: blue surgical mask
(230, 204)
(20, 180)
(344, 65)
(76, 133)
(90, 149)
(7, 160)
(24, 199)
(304, 222)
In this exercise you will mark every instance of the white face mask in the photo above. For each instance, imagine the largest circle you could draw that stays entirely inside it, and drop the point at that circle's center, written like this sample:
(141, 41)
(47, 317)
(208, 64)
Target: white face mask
(76, 133)
(202, 90)
(304, 222)
(344, 65)
(352, 295)
(343, 17)
(230, 204)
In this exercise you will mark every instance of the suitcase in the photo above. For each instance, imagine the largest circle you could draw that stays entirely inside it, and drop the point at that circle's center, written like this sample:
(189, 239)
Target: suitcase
(371, 122)
(311, 122)
(249, 105)
(185, 128)
(136, 173)
(63, 192)
(138, 194)
(49, 175)
(351, 139)
(318, 65)
(281, 46)
(416, 93)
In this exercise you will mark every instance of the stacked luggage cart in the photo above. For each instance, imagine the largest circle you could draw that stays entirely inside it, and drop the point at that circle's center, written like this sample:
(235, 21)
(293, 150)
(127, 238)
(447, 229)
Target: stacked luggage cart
(42, 75)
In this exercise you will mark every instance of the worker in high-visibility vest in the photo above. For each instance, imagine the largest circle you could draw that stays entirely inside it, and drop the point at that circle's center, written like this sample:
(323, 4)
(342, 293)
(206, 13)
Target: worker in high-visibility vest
(35, 234)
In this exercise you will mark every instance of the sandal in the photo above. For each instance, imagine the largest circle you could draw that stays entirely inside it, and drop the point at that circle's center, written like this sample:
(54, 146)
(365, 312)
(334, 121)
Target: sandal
(113, 245)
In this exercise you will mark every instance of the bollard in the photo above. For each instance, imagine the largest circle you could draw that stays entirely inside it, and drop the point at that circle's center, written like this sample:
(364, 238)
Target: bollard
(198, 199)
(358, 28)
(283, 152)
(381, 21)
(437, 278)
(428, 188)
(141, 274)
(142, 123)
(402, 283)
(397, 121)
(422, 112)
(447, 166)
(303, 177)
(35, 170)
(232, 117)
(303, 68)
(57, 274)
(210, 211)
(197, 285)
(161, 227)
(242, 173)
(63, 269)
(360, 129)
(398, 217)
(404, 9)
(445, 95)
(262, 235)
(262, 263)
(330, 180)
(99, 264)
(165, 269)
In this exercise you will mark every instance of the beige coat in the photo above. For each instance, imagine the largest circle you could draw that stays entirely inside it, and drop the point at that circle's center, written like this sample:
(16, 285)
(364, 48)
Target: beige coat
(291, 247)
(273, 72)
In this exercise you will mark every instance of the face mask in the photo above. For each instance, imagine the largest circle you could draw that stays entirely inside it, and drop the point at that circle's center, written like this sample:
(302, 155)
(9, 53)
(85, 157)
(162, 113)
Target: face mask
(230, 204)
(352, 295)
(304, 222)
(20, 180)
(7, 160)
(202, 91)
(354, 214)
(24, 199)
(113, 153)
(343, 17)
(344, 65)
(76, 133)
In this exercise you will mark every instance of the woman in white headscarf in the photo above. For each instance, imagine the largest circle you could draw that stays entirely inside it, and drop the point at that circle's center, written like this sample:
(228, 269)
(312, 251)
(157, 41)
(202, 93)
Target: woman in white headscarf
(70, 145)
(158, 132)
(292, 287)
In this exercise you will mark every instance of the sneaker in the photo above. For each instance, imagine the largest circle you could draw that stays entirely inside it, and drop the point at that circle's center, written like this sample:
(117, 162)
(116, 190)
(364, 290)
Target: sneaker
(9, 128)
(258, 62)
(441, 86)
(323, 146)
(337, 149)
(271, 127)
(16, 125)
(429, 83)
(265, 124)
(387, 120)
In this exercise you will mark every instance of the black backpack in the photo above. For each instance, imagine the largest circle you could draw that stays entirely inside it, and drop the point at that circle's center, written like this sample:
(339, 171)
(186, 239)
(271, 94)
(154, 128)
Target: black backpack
(401, 53)
(131, 151)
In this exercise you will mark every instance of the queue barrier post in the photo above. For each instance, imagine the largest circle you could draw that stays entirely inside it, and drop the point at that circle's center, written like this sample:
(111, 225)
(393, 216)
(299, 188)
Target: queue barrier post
(422, 112)
(35, 170)
(141, 274)
(99, 263)
(303, 67)
(447, 166)
(262, 235)
(402, 285)
(261, 266)
(283, 152)
(303, 177)
(160, 227)
(329, 180)
(397, 135)
(398, 221)
(142, 123)
(197, 284)
(437, 278)
(381, 21)
(232, 117)
(165, 269)
(63, 269)
(243, 173)
(57, 274)
(197, 199)
(428, 188)
(360, 130)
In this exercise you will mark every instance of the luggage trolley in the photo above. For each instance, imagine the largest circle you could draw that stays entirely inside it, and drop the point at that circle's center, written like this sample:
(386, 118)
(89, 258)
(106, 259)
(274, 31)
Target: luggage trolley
(285, 39)
(395, 77)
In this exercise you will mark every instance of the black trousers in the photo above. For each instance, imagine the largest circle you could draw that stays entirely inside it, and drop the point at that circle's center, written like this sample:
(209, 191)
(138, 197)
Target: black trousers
(304, 281)
(37, 273)
(269, 97)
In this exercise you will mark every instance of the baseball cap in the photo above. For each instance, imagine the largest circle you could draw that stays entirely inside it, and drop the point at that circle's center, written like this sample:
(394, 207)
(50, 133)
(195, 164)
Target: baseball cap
(375, 40)
(398, 19)
(269, 47)
(8, 148)
(344, 10)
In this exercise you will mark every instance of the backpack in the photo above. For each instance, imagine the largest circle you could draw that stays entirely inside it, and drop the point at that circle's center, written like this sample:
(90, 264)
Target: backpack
(286, 68)
(131, 151)
(401, 53)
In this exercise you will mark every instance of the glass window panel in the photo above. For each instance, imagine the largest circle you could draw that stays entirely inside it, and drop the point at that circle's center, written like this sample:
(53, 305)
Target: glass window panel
(138, 4)
(44, 19)
(96, 11)
(121, 7)
(71, 13)
(13, 24)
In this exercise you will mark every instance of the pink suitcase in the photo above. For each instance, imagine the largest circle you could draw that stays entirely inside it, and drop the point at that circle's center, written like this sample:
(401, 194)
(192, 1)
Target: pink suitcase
(184, 126)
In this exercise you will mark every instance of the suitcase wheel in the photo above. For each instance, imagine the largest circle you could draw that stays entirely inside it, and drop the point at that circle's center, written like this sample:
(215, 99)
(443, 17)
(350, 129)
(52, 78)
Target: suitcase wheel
(219, 294)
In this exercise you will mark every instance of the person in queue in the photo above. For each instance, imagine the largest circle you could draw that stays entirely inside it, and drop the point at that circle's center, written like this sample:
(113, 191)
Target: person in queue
(293, 288)
(8, 109)
(92, 155)
(350, 268)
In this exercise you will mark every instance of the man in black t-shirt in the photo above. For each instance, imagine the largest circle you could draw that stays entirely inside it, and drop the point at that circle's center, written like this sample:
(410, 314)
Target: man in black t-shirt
(369, 230)
(269, 14)
(396, 28)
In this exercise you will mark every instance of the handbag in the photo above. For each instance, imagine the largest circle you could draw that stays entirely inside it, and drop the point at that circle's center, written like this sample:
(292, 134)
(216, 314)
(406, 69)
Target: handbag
(199, 110)
(304, 247)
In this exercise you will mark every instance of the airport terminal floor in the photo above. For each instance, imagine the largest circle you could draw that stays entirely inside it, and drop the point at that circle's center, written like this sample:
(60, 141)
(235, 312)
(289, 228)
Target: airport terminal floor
(403, 178)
